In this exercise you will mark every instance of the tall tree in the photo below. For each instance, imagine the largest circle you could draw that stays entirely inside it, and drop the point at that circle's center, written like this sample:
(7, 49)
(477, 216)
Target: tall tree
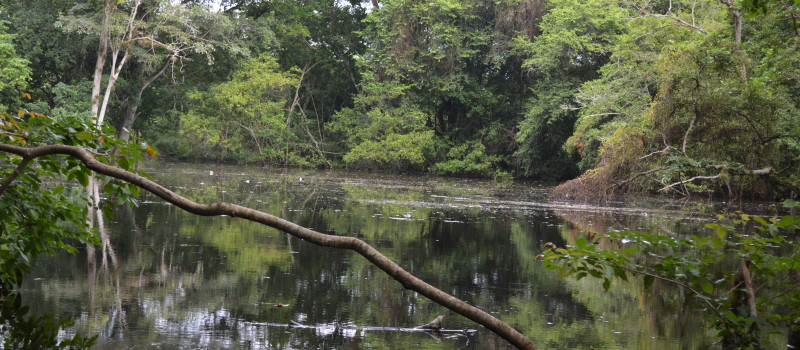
(576, 40)
(448, 62)
(153, 33)
(249, 117)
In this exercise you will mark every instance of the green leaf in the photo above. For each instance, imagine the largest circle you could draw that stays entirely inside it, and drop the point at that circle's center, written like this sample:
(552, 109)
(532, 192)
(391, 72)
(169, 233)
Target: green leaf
(57, 190)
(787, 221)
(790, 203)
(630, 250)
(84, 136)
(82, 177)
(124, 163)
(707, 287)
(606, 284)
(760, 220)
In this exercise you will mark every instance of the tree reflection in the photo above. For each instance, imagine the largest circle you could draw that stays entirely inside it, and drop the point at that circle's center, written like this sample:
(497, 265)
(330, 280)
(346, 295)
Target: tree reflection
(184, 281)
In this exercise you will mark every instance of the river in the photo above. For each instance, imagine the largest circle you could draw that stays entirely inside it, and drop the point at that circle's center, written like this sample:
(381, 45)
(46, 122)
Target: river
(166, 279)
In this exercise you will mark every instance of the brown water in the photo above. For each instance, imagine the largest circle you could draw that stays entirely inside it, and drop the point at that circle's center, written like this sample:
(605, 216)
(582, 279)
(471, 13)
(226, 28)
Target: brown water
(166, 279)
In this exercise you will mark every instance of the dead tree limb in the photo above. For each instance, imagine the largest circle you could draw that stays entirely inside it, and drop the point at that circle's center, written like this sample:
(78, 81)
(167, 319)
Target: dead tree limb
(637, 175)
(689, 180)
(221, 208)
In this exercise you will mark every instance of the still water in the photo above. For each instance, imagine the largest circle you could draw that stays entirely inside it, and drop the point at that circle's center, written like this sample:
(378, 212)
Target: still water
(166, 279)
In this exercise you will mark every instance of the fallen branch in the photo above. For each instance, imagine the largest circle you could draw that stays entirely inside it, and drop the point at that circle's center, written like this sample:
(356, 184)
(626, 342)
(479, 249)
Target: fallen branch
(663, 151)
(635, 176)
(689, 180)
(723, 168)
(405, 278)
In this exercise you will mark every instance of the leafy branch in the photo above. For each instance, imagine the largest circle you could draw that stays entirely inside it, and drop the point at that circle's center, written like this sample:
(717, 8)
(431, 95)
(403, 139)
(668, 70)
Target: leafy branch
(703, 265)
(227, 209)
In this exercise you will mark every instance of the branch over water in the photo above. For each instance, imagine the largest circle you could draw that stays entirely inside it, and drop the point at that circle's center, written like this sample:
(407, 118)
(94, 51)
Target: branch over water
(227, 209)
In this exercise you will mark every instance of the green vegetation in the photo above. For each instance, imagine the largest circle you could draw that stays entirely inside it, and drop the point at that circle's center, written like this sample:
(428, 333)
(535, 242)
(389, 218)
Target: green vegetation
(677, 97)
(744, 276)
(43, 215)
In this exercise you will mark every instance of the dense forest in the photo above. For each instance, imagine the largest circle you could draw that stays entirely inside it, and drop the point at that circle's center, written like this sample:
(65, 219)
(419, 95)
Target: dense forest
(672, 96)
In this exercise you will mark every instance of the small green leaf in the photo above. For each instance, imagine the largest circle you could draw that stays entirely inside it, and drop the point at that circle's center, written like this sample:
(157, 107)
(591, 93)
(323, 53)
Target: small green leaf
(707, 287)
(790, 203)
(84, 136)
(760, 220)
(606, 284)
(58, 190)
(124, 163)
(630, 250)
(789, 221)
(82, 177)
(134, 190)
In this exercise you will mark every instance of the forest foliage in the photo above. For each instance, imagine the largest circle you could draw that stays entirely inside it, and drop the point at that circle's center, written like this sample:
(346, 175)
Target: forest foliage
(672, 96)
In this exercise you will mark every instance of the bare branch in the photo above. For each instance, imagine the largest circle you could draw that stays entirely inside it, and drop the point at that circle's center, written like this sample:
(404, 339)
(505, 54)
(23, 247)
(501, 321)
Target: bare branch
(679, 22)
(689, 180)
(663, 151)
(688, 130)
(351, 243)
(635, 176)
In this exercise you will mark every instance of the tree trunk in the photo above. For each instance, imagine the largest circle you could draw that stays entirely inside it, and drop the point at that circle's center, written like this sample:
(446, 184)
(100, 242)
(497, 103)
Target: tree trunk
(102, 51)
(736, 18)
(116, 66)
(743, 304)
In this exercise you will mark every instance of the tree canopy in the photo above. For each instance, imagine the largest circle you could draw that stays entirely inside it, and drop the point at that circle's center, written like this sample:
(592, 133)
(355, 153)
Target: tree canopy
(678, 97)
(672, 96)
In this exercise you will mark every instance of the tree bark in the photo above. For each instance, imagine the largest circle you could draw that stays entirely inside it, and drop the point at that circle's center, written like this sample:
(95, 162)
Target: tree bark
(736, 18)
(221, 208)
(102, 51)
(116, 66)
(743, 304)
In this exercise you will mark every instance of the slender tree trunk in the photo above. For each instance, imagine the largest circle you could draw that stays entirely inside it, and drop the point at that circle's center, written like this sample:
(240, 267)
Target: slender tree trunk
(99, 108)
(743, 304)
(736, 18)
(116, 68)
(102, 51)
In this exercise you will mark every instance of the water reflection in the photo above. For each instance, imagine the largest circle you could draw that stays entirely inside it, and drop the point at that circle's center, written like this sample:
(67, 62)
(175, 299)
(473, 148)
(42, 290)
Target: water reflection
(168, 279)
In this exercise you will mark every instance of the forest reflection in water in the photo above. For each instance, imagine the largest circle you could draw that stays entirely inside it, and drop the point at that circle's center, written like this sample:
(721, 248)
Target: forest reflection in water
(169, 279)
